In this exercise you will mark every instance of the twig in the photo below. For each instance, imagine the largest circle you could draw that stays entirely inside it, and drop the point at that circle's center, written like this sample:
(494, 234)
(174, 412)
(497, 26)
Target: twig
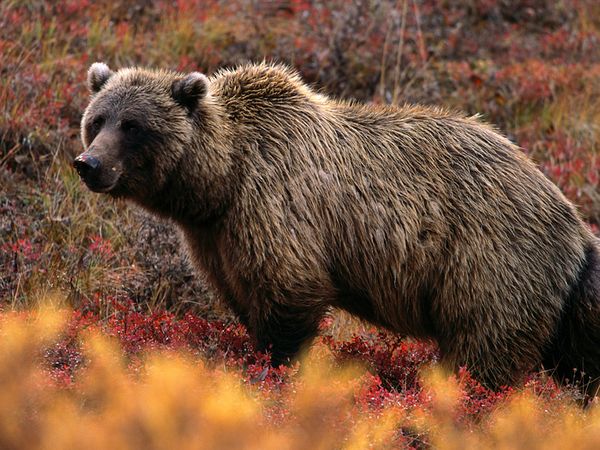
(399, 52)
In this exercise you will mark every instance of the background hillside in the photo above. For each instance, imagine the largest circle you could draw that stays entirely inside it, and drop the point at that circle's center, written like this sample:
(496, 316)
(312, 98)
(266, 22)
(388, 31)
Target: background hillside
(530, 67)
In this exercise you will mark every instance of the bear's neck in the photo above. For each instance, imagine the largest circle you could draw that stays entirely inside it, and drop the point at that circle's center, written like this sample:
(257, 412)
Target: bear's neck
(180, 201)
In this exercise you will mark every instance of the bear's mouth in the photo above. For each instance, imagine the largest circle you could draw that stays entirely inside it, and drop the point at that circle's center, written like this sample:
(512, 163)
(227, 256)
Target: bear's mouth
(100, 188)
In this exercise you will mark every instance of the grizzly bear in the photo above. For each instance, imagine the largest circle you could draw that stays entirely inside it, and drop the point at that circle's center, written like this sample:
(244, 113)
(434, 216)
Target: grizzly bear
(417, 219)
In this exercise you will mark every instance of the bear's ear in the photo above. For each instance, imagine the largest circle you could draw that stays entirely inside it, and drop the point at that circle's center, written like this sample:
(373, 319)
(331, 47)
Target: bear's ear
(98, 74)
(189, 90)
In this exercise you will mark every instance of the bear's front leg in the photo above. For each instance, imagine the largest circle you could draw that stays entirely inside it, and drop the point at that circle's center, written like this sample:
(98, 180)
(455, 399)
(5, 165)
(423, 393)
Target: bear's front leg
(286, 328)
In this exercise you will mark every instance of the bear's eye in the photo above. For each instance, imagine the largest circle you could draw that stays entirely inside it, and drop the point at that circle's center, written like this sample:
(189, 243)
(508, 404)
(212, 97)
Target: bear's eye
(130, 127)
(96, 125)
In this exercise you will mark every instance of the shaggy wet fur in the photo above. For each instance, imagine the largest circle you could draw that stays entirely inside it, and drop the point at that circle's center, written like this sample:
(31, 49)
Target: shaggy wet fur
(420, 220)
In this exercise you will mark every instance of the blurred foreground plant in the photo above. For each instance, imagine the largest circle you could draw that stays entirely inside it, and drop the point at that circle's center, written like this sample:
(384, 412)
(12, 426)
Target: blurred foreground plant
(172, 399)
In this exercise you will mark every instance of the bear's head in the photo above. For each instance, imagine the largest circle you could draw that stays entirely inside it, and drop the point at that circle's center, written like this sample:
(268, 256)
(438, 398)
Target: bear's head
(136, 128)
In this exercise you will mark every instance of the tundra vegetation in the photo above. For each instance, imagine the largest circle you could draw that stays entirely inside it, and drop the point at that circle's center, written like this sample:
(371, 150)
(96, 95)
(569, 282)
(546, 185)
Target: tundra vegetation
(103, 326)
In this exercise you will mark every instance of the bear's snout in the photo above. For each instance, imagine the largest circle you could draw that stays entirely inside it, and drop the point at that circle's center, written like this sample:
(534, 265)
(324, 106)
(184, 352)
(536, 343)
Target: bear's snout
(95, 174)
(85, 165)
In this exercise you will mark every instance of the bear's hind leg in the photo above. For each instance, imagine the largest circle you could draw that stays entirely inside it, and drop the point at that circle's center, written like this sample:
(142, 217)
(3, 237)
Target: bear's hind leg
(491, 362)
(574, 354)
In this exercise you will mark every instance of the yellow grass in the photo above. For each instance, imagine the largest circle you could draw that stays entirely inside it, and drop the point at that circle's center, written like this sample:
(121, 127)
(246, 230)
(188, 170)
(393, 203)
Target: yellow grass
(175, 401)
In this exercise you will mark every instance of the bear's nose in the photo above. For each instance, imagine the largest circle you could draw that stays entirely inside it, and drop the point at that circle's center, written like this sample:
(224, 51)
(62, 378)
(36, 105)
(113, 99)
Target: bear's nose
(85, 165)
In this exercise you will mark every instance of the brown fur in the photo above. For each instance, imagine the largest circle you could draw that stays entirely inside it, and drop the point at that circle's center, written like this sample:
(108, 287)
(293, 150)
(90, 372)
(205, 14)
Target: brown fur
(420, 220)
